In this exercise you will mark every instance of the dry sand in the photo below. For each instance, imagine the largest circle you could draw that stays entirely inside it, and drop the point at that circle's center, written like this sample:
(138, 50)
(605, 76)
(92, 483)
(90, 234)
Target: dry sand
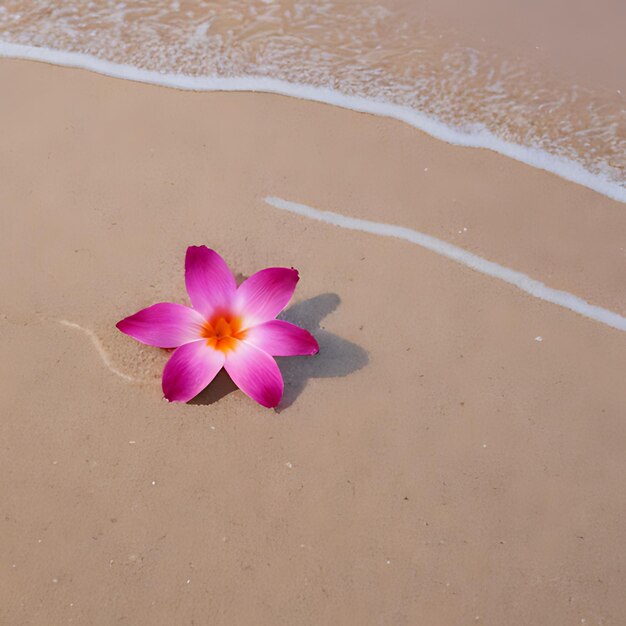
(435, 464)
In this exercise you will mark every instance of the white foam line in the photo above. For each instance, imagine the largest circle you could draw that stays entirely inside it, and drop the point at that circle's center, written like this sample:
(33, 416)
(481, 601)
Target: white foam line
(518, 279)
(100, 350)
(565, 168)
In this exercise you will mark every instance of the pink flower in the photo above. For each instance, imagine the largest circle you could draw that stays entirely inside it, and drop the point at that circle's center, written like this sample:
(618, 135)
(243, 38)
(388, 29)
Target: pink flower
(227, 326)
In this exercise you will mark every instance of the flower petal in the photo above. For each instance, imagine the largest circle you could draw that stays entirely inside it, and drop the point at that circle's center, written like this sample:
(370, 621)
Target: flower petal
(190, 369)
(210, 283)
(280, 338)
(265, 294)
(165, 325)
(255, 372)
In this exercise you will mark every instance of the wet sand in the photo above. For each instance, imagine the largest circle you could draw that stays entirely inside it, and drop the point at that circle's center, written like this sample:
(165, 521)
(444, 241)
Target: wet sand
(435, 464)
(580, 39)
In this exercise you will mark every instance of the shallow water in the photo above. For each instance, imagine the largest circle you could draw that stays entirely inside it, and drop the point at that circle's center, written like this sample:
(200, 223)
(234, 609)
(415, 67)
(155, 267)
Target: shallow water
(378, 51)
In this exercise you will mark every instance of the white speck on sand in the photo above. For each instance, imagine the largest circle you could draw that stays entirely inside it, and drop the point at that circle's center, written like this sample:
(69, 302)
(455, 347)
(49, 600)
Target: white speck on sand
(132, 442)
(39, 540)
(188, 580)
(55, 580)
(425, 169)
(154, 482)
(538, 338)
(289, 465)
(388, 562)
(484, 445)
(212, 427)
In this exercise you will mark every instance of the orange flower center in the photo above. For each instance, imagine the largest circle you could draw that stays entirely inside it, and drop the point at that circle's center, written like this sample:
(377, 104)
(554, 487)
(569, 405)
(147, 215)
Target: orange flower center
(222, 332)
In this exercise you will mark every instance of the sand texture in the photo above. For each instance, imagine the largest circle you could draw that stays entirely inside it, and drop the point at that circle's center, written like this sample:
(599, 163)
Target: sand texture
(435, 464)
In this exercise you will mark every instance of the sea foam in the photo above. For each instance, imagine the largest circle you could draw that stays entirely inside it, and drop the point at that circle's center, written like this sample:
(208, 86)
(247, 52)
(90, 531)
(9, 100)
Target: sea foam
(522, 281)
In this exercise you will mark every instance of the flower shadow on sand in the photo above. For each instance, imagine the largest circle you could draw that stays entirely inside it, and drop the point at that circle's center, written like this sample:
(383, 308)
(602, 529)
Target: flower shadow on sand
(337, 357)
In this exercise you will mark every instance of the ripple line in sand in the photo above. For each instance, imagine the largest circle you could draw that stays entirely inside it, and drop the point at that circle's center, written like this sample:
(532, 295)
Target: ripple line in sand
(97, 344)
(520, 280)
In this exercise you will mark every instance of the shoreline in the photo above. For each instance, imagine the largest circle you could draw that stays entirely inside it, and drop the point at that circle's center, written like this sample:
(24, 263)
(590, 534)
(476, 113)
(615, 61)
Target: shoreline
(563, 168)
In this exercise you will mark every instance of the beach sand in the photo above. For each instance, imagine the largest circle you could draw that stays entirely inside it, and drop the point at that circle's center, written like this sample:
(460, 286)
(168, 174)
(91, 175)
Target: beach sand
(435, 464)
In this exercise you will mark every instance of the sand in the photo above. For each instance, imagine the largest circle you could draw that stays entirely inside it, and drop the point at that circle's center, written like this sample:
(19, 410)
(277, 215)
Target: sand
(582, 40)
(435, 464)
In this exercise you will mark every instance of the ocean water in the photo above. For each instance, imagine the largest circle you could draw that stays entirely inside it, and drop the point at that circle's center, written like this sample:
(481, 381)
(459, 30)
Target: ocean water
(369, 56)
